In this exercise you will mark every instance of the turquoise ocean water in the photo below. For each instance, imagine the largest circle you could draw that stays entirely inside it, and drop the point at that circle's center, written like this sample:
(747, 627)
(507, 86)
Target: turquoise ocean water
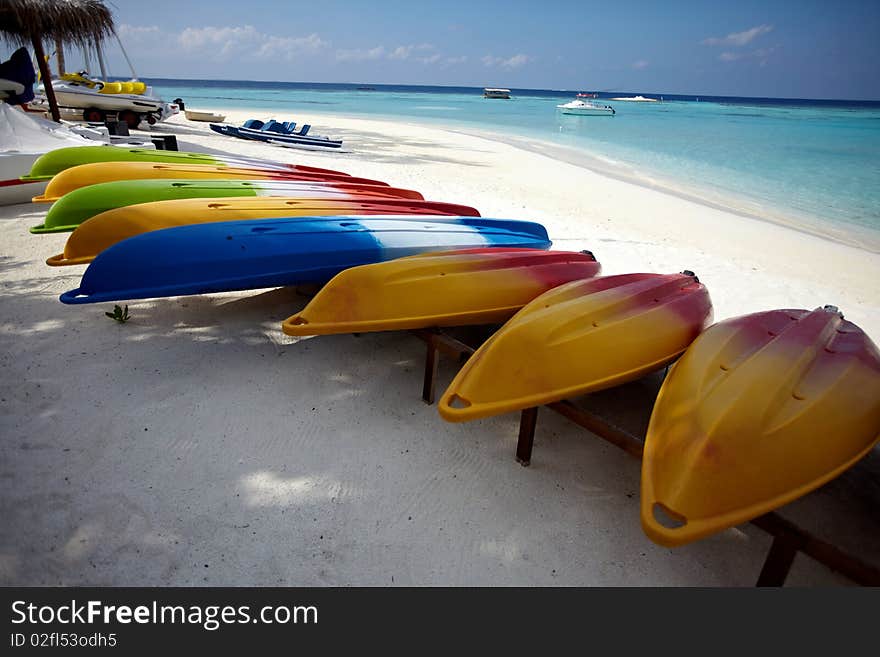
(815, 164)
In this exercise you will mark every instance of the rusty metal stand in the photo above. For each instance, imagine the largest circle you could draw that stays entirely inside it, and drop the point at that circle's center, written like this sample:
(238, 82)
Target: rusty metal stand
(788, 539)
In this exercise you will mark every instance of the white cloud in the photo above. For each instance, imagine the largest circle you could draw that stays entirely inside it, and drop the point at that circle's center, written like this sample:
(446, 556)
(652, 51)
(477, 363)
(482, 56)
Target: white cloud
(761, 54)
(218, 40)
(640, 64)
(290, 47)
(360, 55)
(246, 42)
(510, 62)
(400, 53)
(136, 33)
(738, 38)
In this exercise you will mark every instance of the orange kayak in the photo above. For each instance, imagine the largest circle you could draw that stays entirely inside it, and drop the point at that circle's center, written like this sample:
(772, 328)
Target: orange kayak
(759, 411)
(578, 338)
(452, 288)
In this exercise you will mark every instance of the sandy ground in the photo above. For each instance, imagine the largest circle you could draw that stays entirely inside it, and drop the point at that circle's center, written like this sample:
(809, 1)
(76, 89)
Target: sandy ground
(198, 445)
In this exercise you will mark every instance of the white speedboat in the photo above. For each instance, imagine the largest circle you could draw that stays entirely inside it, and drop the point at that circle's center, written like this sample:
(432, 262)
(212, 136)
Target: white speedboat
(585, 108)
(98, 99)
(636, 99)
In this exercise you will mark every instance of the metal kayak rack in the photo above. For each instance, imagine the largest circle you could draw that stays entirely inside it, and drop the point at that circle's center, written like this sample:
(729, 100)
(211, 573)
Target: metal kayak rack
(789, 537)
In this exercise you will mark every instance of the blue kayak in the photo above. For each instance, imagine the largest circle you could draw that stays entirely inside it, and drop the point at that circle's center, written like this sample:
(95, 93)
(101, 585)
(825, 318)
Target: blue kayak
(261, 253)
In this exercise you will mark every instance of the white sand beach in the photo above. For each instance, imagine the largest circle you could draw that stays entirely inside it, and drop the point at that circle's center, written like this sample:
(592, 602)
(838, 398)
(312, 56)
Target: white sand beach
(197, 444)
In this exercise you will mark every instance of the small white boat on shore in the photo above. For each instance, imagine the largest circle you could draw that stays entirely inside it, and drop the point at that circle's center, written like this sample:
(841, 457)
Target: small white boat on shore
(195, 115)
(585, 108)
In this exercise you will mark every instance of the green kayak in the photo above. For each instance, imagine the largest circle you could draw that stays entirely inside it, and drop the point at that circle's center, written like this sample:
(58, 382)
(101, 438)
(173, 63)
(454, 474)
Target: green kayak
(48, 164)
(81, 204)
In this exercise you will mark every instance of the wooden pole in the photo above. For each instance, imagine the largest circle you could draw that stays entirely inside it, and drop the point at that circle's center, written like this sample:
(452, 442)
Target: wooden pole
(59, 52)
(47, 78)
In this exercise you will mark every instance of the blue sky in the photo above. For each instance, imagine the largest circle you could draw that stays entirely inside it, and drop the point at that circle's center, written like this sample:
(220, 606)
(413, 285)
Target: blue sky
(793, 48)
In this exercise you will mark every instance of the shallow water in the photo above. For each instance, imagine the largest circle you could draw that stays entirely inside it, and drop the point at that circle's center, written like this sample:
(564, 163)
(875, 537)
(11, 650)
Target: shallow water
(812, 163)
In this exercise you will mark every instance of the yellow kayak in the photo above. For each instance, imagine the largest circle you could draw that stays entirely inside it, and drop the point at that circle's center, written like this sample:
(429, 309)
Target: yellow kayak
(454, 288)
(759, 411)
(107, 228)
(578, 338)
(83, 175)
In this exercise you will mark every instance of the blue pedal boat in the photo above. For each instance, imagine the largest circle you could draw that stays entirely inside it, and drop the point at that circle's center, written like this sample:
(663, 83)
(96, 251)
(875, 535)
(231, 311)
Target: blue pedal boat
(276, 132)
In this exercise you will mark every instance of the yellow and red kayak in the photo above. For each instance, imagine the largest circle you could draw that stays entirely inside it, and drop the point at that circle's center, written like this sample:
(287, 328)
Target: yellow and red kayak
(107, 228)
(759, 411)
(102, 172)
(452, 288)
(578, 338)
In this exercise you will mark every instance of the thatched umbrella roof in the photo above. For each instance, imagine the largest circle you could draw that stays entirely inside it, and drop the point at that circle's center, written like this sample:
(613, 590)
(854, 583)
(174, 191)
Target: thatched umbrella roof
(78, 22)
(70, 21)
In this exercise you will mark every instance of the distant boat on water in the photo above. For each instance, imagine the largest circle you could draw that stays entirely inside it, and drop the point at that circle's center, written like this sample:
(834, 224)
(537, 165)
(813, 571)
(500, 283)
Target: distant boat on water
(636, 99)
(585, 108)
(490, 92)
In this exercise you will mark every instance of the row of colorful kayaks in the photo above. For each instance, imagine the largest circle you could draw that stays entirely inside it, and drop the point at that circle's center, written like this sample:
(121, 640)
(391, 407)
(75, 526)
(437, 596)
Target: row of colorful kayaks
(755, 411)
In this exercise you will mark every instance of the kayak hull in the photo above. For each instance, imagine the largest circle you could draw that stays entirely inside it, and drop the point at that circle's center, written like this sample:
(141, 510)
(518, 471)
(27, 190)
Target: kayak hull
(242, 255)
(759, 411)
(100, 172)
(81, 204)
(56, 161)
(579, 338)
(455, 288)
(106, 229)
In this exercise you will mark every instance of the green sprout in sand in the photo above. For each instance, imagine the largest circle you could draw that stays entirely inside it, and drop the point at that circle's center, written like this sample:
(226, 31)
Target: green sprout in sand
(119, 314)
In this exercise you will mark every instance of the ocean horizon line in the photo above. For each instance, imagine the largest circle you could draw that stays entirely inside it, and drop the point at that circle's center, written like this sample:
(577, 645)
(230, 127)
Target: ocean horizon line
(526, 91)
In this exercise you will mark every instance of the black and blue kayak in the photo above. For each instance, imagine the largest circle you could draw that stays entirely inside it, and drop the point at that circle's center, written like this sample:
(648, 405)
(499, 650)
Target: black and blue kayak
(255, 253)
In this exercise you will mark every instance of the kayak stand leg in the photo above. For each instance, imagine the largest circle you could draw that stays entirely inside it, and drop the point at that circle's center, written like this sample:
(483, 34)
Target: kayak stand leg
(527, 422)
(779, 560)
(432, 361)
(437, 341)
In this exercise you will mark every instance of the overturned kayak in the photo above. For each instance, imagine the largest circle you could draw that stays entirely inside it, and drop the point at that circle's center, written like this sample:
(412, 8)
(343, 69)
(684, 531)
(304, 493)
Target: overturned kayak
(54, 162)
(760, 410)
(106, 229)
(578, 338)
(91, 174)
(453, 288)
(75, 207)
(243, 255)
